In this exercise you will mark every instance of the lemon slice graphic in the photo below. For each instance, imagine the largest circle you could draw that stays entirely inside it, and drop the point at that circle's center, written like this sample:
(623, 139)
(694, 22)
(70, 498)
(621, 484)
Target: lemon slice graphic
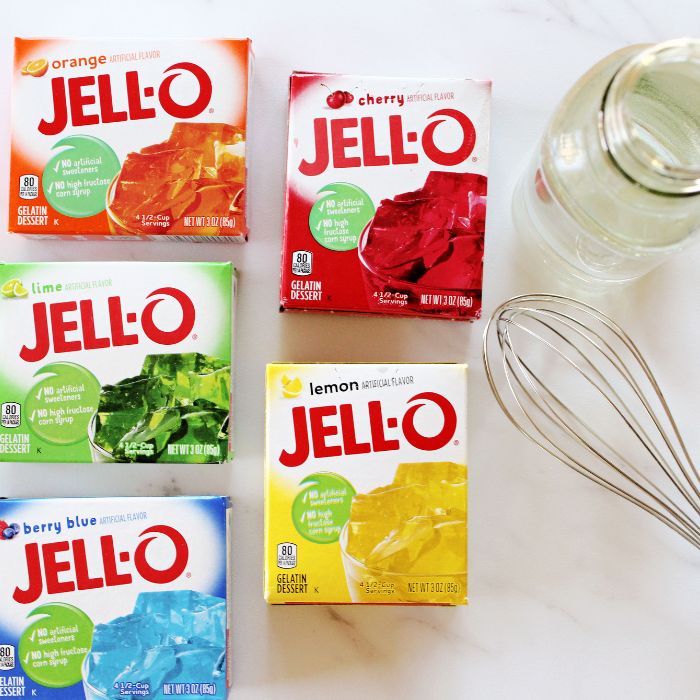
(291, 388)
(8, 288)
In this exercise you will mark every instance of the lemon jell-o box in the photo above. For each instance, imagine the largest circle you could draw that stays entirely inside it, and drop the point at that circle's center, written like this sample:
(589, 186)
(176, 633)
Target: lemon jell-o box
(115, 362)
(366, 484)
(139, 138)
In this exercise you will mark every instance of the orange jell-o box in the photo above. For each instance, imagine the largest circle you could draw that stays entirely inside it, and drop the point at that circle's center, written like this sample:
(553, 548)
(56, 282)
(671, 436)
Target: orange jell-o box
(138, 138)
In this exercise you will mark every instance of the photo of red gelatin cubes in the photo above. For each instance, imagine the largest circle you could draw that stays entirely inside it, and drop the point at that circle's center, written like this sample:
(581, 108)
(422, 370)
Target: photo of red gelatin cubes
(433, 236)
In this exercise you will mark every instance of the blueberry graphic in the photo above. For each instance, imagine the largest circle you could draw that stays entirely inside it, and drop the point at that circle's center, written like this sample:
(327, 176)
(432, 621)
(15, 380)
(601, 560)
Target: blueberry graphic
(15, 527)
(8, 533)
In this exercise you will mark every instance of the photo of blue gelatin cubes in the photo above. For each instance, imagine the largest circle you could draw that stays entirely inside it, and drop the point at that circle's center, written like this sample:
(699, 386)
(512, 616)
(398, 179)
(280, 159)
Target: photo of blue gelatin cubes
(174, 642)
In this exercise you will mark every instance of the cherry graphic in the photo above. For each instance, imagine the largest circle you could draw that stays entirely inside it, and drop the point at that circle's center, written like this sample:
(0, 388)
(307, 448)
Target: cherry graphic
(349, 97)
(3, 527)
(336, 99)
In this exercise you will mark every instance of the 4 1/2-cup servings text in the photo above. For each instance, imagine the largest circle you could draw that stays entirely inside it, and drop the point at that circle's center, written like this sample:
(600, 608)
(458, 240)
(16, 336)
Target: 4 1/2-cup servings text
(366, 484)
(140, 138)
(125, 362)
(386, 195)
(108, 598)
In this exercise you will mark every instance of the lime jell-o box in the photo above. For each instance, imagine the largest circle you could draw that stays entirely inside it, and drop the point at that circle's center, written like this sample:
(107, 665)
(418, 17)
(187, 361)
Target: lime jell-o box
(115, 598)
(366, 484)
(386, 195)
(140, 138)
(115, 362)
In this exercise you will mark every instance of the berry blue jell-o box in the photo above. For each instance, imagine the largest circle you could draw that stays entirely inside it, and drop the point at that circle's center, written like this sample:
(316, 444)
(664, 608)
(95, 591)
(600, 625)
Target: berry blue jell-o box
(115, 598)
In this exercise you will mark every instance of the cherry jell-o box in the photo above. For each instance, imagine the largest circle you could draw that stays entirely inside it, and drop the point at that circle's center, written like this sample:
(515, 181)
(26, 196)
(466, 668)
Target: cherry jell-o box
(386, 195)
(141, 138)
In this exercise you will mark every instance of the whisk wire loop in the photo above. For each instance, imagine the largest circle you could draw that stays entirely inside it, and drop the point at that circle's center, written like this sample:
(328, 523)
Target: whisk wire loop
(598, 360)
(552, 414)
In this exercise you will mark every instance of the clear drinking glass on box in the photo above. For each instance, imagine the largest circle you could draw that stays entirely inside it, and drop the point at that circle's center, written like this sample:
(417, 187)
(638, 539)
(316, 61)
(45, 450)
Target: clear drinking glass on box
(369, 585)
(614, 187)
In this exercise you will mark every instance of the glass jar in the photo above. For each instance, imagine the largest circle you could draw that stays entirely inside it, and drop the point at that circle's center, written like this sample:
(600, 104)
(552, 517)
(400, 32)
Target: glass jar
(614, 187)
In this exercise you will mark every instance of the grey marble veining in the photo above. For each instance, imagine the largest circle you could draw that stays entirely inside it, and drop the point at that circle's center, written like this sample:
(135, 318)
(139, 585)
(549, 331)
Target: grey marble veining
(573, 594)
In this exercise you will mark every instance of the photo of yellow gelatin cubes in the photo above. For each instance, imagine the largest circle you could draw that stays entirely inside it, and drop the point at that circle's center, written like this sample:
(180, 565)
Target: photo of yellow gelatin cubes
(415, 527)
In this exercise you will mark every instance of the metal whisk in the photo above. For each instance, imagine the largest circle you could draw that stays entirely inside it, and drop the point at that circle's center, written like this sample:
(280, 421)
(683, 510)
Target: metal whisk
(572, 381)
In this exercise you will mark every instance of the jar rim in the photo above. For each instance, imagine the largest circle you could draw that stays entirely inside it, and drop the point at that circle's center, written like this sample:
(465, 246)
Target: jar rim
(636, 159)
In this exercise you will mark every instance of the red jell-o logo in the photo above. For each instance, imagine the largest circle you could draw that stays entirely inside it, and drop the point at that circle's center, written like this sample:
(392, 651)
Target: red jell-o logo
(90, 99)
(56, 323)
(316, 430)
(63, 567)
(336, 142)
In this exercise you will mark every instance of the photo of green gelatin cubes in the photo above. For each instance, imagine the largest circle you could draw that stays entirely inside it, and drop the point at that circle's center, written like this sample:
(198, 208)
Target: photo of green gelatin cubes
(176, 410)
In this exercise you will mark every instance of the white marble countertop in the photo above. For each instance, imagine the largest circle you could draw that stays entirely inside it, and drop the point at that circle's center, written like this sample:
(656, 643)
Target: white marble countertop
(573, 594)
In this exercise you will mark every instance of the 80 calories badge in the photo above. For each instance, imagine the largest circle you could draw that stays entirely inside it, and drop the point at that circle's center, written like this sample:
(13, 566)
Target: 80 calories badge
(7, 657)
(29, 186)
(286, 555)
(302, 262)
(10, 415)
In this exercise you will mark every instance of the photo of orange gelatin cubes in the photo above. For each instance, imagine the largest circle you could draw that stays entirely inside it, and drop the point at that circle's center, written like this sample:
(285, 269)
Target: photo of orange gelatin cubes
(191, 184)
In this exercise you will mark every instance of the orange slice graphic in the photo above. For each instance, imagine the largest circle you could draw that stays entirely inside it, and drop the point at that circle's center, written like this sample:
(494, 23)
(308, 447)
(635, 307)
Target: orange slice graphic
(36, 68)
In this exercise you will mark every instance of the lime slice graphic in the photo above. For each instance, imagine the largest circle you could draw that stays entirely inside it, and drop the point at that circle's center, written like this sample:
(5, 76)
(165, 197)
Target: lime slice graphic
(8, 289)
(19, 291)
